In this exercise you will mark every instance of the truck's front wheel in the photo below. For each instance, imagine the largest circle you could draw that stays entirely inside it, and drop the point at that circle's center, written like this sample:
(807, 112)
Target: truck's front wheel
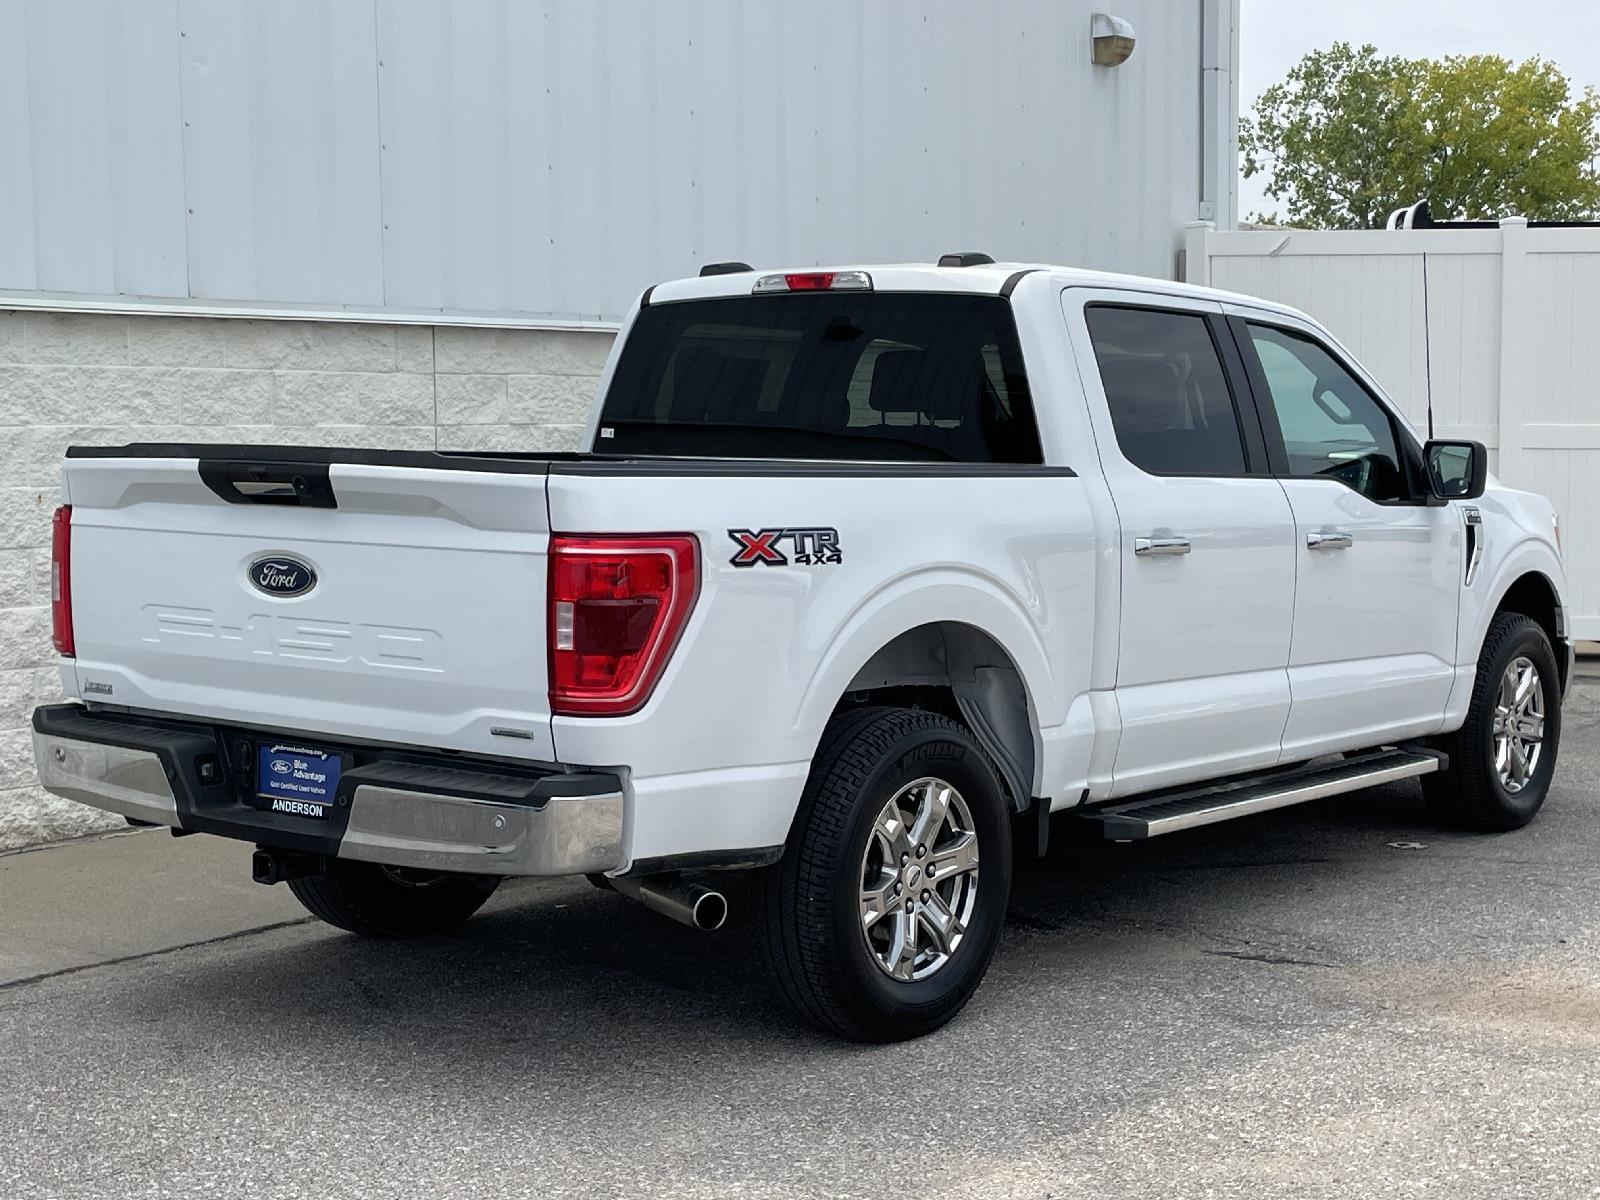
(391, 902)
(884, 913)
(1503, 758)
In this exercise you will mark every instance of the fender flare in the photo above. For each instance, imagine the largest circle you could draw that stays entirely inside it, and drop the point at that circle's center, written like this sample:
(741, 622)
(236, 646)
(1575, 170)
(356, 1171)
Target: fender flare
(1530, 556)
(930, 597)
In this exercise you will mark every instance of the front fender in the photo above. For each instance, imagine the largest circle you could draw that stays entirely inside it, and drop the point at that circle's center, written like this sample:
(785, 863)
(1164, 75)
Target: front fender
(1528, 555)
(1517, 543)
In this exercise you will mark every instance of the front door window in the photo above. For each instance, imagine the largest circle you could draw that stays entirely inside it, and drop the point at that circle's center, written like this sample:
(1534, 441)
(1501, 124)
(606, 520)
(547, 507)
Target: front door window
(1332, 427)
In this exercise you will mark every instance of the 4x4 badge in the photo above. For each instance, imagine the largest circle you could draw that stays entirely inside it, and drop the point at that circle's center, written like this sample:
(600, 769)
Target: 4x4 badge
(811, 546)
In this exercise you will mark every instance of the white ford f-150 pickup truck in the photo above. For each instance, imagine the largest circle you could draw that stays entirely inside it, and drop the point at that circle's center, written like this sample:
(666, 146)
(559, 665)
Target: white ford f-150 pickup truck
(860, 573)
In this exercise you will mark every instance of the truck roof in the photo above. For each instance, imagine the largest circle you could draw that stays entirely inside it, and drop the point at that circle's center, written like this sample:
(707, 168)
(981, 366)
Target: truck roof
(986, 279)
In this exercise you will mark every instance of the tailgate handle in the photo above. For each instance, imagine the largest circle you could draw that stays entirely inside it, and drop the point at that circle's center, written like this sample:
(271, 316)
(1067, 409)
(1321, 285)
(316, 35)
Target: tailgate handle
(303, 484)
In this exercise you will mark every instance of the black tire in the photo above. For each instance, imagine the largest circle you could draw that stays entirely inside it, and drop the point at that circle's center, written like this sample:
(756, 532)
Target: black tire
(815, 942)
(391, 902)
(1470, 793)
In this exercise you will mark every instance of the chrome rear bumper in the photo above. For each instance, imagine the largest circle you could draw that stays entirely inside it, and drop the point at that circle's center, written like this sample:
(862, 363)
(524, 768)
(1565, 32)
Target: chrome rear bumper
(570, 835)
(469, 817)
(131, 783)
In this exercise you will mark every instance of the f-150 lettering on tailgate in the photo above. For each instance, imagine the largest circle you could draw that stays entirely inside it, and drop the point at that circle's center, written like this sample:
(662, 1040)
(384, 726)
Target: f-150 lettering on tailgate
(386, 647)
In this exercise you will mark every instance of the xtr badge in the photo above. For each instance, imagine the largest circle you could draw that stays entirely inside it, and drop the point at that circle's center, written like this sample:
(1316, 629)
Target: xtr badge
(809, 546)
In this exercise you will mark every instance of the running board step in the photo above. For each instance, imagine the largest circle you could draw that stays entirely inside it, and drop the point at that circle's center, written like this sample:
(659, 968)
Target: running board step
(1168, 812)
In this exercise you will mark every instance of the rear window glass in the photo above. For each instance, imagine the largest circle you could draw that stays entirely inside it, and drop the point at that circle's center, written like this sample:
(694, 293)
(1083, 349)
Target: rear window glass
(866, 376)
(1168, 395)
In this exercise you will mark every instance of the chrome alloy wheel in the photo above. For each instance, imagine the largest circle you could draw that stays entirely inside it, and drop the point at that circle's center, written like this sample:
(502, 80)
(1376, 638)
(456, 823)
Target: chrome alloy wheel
(919, 879)
(1518, 724)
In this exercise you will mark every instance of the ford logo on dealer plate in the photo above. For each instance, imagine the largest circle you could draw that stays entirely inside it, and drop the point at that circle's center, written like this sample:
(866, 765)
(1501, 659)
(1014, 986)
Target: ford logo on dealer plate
(282, 575)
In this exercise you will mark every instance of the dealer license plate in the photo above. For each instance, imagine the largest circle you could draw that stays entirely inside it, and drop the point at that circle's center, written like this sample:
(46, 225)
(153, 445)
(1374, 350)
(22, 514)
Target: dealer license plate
(297, 780)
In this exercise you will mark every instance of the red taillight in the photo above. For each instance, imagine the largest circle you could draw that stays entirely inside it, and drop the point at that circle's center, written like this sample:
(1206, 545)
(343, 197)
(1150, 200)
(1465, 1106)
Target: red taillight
(61, 580)
(617, 608)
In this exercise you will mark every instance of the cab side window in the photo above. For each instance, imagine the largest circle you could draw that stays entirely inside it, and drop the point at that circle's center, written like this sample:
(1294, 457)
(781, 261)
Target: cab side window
(1332, 427)
(1170, 403)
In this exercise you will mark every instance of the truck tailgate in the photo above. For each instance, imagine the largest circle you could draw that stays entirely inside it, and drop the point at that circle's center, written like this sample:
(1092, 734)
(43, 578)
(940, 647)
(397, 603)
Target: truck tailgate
(423, 622)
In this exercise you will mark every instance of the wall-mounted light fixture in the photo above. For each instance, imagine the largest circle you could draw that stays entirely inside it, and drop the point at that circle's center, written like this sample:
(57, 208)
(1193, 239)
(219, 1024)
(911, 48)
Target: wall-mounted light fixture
(1113, 39)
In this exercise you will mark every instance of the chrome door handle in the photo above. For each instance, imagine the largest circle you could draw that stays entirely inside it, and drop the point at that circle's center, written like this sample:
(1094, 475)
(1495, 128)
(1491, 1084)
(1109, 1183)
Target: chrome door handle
(1145, 547)
(1329, 539)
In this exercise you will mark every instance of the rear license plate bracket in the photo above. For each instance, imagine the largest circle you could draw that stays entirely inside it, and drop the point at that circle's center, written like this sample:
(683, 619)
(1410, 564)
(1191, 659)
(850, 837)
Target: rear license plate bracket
(301, 781)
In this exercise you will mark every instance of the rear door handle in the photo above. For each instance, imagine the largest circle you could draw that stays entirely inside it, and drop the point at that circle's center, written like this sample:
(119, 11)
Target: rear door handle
(1329, 539)
(1147, 547)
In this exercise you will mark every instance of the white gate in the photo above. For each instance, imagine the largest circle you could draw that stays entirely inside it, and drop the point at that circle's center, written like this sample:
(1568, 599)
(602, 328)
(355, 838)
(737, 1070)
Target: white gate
(1498, 323)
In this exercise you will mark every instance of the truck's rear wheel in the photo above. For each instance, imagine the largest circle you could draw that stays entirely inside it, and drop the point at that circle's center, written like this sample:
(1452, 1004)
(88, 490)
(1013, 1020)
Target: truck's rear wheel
(878, 924)
(391, 902)
(1503, 757)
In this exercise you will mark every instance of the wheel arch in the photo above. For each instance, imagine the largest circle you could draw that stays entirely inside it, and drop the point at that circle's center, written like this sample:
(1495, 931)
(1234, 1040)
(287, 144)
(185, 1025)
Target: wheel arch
(966, 672)
(977, 636)
(1533, 594)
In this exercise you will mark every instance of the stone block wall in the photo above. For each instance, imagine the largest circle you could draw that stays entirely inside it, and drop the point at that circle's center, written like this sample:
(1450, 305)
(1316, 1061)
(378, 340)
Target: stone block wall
(76, 378)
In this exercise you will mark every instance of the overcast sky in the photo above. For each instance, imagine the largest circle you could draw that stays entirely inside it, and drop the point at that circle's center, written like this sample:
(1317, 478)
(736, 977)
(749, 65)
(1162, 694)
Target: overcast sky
(1273, 34)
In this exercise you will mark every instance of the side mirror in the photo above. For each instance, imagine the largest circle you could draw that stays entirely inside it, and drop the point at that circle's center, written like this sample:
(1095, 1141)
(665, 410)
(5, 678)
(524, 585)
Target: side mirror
(1456, 470)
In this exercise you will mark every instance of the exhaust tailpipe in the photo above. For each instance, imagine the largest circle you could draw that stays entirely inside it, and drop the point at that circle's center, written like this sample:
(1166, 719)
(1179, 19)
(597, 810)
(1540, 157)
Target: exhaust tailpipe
(688, 903)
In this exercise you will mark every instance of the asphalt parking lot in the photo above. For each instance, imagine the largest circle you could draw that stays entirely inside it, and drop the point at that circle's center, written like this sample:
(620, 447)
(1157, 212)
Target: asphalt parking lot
(1336, 1000)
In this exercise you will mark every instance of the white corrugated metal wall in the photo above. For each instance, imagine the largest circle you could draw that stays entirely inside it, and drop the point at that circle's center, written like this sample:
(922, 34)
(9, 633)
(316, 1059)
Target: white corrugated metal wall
(551, 159)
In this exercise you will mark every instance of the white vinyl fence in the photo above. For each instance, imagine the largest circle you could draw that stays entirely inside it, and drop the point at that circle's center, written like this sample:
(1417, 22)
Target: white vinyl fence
(1502, 325)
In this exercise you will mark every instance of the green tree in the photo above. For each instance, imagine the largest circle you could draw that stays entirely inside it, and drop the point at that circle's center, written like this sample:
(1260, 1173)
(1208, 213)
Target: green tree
(1350, 135)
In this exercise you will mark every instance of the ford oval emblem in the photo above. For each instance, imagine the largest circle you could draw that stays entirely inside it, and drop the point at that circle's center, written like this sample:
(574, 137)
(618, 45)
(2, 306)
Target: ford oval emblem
(282, 575)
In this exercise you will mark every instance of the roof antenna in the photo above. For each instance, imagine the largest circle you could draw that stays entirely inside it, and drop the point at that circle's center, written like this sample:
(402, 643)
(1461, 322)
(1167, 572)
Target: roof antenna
(1417, 216)
(1427, 344)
